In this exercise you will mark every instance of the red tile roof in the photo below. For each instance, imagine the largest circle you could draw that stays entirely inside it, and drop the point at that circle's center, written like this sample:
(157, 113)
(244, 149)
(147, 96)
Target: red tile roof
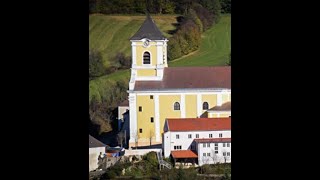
(190, 77)
(212, 140)
(184, 154)
(199, 124)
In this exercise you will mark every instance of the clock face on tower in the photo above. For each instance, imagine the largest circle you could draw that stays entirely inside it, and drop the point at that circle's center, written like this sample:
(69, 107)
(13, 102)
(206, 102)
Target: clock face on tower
(146, 43)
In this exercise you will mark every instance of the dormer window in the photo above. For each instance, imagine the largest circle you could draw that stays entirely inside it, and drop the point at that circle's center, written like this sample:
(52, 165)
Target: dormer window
(146, 58)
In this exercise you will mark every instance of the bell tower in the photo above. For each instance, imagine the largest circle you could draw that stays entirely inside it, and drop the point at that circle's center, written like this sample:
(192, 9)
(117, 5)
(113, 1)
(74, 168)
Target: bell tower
(149, 53)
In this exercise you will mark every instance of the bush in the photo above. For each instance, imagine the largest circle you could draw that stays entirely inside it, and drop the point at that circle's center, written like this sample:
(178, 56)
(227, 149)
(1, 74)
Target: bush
(96, 67)
(225, 6)
(151, 158)
(120, 61)
(174, 50)
(109, 175)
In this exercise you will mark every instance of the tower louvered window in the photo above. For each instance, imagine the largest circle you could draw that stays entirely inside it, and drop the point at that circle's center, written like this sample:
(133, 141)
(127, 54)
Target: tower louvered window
(146, 58)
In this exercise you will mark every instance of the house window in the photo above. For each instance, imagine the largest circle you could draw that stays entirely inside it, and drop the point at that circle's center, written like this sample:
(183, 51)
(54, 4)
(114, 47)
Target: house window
(215, 148)
(177, 136)
(228, 144)
(140, 130)
(204, 154)
(176, 106)
(151, 119)
(205, 106)
(189, 136)
(228, 153)
(220, 135)
(197, 135)
(177, 148)
(140, 108)
(216, 152)
(151, 97)
(208, 154)
(215, 144)
(192, 147)
(208, 145)
(146, 58)
(204, 144)
(224, 144)
(224, 153)
(210, 135)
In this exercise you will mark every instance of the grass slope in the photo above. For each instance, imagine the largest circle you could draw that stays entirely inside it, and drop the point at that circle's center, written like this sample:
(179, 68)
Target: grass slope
(111, 34)
(215, 47)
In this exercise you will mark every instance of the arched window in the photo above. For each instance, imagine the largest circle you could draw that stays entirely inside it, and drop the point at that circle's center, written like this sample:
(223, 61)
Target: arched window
(205, 106)
(176, 106)
(146, 58)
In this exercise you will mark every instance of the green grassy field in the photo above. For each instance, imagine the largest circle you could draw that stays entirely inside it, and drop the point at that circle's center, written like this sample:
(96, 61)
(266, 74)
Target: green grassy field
(214, 49)
(111, 34)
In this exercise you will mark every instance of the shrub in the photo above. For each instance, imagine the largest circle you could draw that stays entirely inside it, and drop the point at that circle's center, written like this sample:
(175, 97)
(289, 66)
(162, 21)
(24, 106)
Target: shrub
(174, 50)
(151, 158)
(96, 67)
(120, 61)
(109, 175)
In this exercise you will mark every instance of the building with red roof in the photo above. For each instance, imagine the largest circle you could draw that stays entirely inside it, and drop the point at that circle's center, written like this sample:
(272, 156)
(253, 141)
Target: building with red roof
(198, 140)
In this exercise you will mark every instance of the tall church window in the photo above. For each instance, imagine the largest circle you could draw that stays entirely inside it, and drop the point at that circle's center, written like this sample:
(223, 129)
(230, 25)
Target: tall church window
(205, 106)
(146, 58)
(176, 106)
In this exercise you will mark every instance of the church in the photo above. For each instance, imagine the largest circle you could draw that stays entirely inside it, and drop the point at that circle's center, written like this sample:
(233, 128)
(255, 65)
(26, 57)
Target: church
(158, 92)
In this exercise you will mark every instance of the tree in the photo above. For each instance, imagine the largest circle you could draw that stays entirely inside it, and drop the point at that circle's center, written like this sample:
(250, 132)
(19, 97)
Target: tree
(96, 67)
(225, 6)
(213, 156)
(216, 10)
(174, 50)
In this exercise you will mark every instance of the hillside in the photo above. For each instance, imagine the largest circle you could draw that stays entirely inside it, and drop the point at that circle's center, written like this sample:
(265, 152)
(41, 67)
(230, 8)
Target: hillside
(214, 49)
(111, 34)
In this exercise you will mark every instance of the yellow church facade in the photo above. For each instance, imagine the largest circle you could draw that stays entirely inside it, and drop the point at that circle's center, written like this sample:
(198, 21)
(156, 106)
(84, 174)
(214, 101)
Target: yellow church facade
(157, 92)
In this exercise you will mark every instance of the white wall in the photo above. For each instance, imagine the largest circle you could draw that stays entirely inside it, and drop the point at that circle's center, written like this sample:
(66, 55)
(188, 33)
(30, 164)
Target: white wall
(140, 152)
(170, 140)
(214, 158)
(166, 144)
(93, 157)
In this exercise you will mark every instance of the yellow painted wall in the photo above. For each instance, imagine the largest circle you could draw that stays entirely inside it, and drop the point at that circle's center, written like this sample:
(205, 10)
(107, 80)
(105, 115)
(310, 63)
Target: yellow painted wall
(211, 99)
(143, 118)
(191, 106)
(153, 52)
(212, 115)
(225, 98)
(225, 114)
(146, 72)
(166, 110)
